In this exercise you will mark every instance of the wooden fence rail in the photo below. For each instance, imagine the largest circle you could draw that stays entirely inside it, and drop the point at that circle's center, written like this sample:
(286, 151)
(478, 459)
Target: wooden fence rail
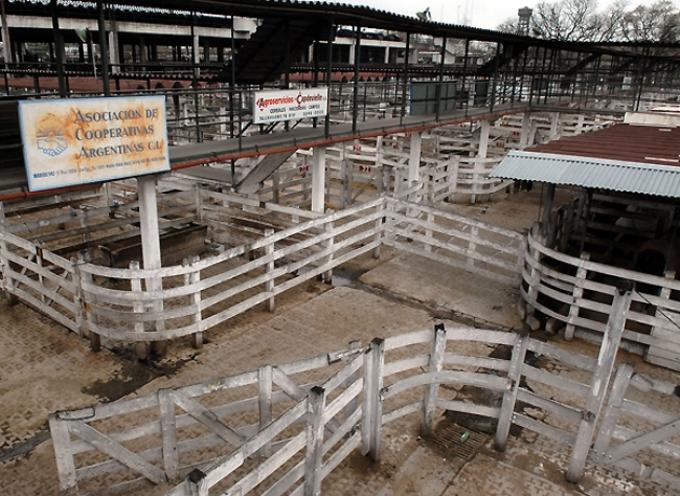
(117, 304)
(578, 293)
(284, 428)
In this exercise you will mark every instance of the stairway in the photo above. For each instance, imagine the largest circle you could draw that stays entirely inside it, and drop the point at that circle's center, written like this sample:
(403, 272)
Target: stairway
(264, 168)
(263, 57)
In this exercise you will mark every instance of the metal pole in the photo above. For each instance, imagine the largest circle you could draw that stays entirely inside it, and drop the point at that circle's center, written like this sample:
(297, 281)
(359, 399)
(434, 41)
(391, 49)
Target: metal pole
(405, 78)
(194, 74)
(465, 64)
(103, 48)
(521, 77)
(329, 68)
(315, 75)
(440, 84)
(355, 95)
(286, 62)
(6, 40)
(495, 74)
(232, 87)
(549, 76)
(59, 47)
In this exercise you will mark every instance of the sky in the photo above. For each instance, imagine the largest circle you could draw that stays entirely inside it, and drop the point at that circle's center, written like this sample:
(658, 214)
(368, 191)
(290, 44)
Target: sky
(484, 13)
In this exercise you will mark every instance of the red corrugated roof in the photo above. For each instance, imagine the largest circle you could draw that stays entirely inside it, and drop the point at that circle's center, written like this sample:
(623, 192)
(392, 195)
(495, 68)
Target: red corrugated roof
(624, 142)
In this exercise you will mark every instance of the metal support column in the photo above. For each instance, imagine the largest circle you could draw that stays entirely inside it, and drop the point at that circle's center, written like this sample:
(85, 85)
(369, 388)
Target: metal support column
(103, 48)
(355, 94)
(440, 84)
(59, 48)
(405, 79)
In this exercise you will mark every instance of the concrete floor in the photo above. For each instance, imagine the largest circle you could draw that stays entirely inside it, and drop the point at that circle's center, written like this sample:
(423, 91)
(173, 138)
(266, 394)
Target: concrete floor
(46, 368)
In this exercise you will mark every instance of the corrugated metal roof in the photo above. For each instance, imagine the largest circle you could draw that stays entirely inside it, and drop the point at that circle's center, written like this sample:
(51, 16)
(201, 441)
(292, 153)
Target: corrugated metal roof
(650, 144)
(589, 172)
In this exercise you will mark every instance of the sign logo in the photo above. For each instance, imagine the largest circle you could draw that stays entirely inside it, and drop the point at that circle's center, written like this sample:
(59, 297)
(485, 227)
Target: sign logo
(286, 105)
(50, 138)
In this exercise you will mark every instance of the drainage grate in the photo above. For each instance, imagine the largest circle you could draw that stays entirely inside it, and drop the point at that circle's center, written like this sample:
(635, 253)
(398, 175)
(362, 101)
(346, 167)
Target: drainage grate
(453, 440)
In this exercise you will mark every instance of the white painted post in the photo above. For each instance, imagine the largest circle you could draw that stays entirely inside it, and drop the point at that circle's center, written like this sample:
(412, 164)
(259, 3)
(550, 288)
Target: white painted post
(79, 314)
(191, 278)
(577, 294)
(482, 153)
(195, 56)
(63, 456)
(526, 129)
(198, 200)
(6, 40)
(379, 229)
(318, 179)
(371, 421)
(114, 59)
(169, 433)
(414, 158)
(428, 232)
(606, 429)
(151, 243)
(519, 352)
(453, 168)
(328, 275)
(7, 282)
(600, 383)
(484, 132)
(378, 165)
(554, 125)
(315, 431)
(435, 365)
(141, 346)
(269, 268)
(264, 382)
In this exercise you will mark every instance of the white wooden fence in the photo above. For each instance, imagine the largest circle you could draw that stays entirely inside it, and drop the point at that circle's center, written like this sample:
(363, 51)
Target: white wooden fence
(284, 428)
(116, 304)
(578, 293)
(487, 250)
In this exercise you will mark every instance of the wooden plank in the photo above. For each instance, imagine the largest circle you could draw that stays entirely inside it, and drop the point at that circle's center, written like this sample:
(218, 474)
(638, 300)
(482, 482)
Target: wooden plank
(168, 428)
(107, 445)
(63, 455)
(435, 363)
(315, 433)
(206, 417)
(644, 440)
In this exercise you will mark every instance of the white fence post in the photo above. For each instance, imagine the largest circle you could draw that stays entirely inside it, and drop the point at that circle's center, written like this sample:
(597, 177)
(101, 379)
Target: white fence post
(452, 169)
(7, 282)
(168, 432)
(577, 293)
(269, 285)
(619, 387)
(79, 314)
(315, 432)
(600, 383)
(191, 278)
(264, 382)
(328, 275)
(435, 365)
(379, 229)
(371, 421)
(63, 456)
(142, 347)
(519, 352)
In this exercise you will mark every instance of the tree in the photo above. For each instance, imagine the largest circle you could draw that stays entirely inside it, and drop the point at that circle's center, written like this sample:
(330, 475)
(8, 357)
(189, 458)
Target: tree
(658, 22)
(580, 20)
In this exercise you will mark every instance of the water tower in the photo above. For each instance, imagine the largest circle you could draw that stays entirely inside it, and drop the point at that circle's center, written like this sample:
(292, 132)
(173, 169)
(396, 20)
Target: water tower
(524, 20)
